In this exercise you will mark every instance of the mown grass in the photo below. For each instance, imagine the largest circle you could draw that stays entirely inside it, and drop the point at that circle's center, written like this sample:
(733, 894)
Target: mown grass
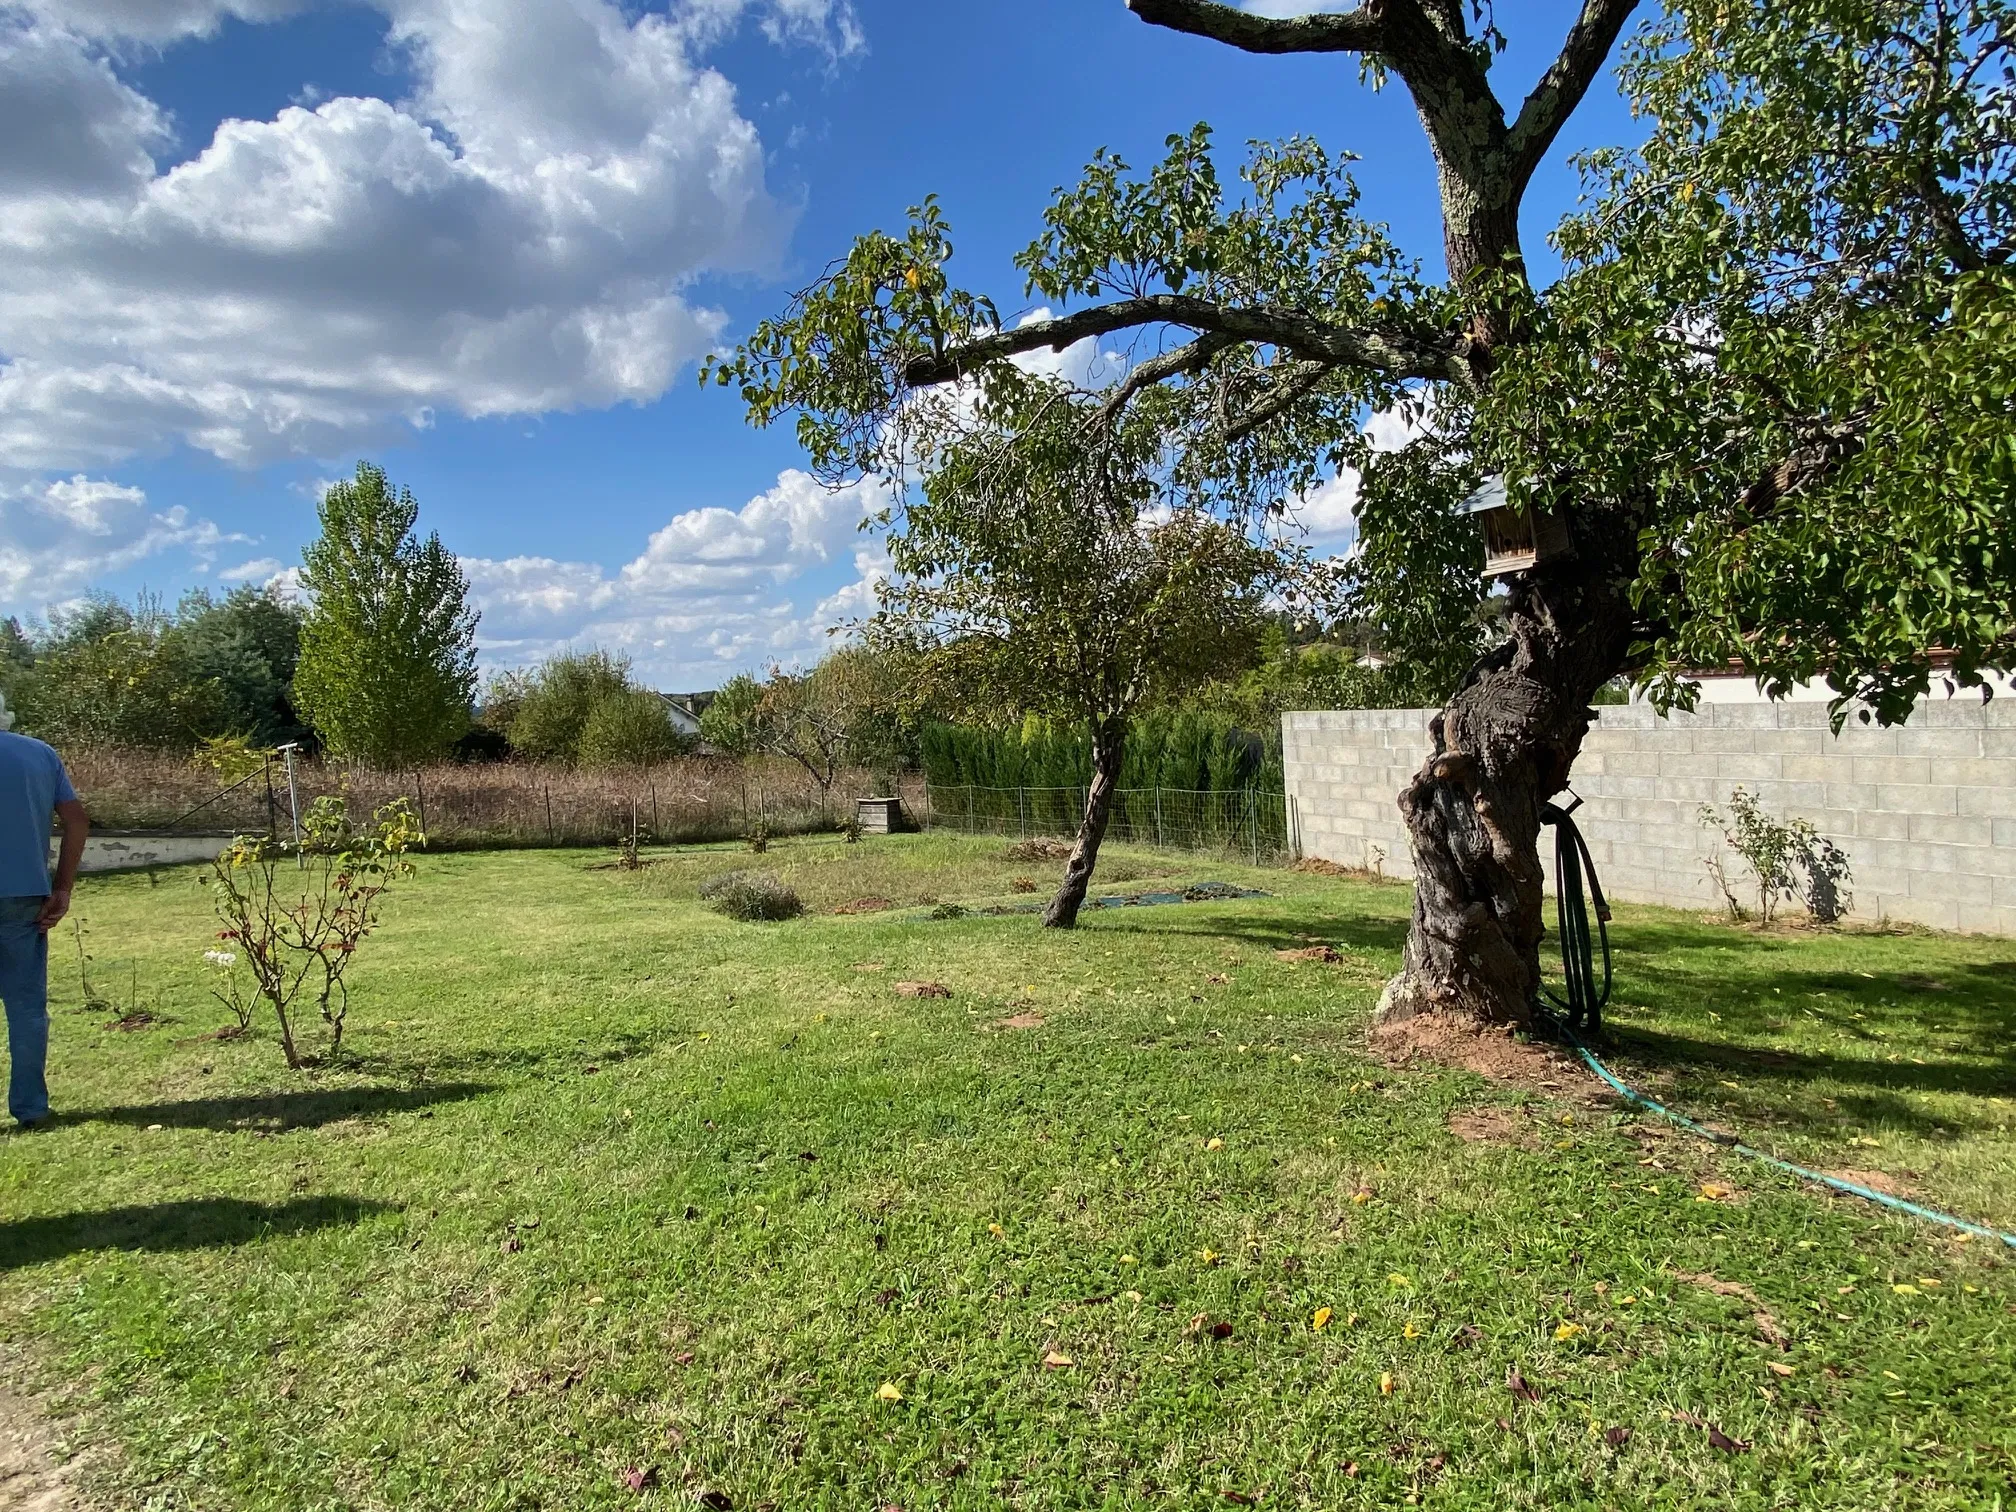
(615, 1185)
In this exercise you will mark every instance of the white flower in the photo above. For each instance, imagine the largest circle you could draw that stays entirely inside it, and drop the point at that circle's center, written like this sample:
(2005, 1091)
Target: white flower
(223, 960)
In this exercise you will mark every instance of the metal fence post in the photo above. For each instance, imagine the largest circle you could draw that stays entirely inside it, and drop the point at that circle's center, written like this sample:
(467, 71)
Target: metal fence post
(551, 839)
(1253, 821)
(1022, 810)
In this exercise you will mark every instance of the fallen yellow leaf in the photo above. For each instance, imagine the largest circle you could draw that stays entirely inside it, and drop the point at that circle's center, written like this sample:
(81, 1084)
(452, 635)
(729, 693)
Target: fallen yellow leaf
(997, 1231)
(1129, 1260)
(1410, 1332)
(1778, 1368)
(1904, 1289)
(1927, 1281)
(1209, 1257)
(1214, 1144)
(1056, 1360)
(1567, 1331)
(887, 1392)
(1399, 1280)
(1323, 1316)
(1360, 1197)
(1713, 1191)
(1385, 1383)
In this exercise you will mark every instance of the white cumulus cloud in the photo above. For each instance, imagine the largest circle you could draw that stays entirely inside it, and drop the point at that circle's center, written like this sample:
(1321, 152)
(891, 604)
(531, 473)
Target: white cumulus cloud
(57, 538)
(713, 591)
(521, 235)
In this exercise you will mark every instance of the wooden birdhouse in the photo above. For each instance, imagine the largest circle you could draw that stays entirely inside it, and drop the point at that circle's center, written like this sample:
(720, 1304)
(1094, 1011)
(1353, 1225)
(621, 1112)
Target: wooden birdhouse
(1514, 540)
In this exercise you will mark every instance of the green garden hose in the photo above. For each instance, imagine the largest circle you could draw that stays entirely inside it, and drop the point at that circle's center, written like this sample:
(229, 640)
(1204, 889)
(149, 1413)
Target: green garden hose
(1582, 1013)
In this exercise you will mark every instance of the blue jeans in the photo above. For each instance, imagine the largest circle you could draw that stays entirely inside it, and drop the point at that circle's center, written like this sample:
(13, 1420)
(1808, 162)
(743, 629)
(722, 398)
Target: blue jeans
(24, 984)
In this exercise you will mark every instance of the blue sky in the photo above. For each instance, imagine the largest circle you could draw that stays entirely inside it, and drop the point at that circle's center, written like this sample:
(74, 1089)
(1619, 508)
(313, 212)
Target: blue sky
(244, 243)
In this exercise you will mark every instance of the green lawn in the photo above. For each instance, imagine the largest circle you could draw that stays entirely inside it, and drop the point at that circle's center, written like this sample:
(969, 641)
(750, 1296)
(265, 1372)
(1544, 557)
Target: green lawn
(612, 1184)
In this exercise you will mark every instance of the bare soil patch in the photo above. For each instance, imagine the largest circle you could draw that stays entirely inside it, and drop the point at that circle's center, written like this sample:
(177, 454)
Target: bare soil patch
(1433, 1039)
(32, 1479)
(1499, 1126)
(923, 990)
(864, 906)
(1767, 1326)
(1876, 1181)
(1329, 955)
(1040, 848)
(1024, 1020)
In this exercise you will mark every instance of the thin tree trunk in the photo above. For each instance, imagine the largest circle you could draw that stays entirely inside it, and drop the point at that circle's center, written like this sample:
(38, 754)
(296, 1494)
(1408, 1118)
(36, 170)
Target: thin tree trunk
(1503, 746)
(1109, 743)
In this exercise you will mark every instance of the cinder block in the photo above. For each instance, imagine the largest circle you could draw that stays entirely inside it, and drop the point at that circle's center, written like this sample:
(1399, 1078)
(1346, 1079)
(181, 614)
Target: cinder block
(1946, 887)
(1858, 739)
(2005, 892)
(1747, 768)
(1976, 918)
(1719, 740)
(1900, 798)
(1739, 716)
(1895, 770)
(1948, 829)
(1933, 912)
(1980, 772)
(1793, 742)
(1804, 800)
(1635, 762)
(2005, 832)
(1939, 743)
(1827, 767)
(1999, 743)
(1859, 796)
(1901, 858)
(1872, 824)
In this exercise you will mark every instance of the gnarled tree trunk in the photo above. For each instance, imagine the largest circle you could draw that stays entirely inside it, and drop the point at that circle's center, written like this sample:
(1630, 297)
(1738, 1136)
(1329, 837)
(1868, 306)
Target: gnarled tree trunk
(1503, 746)
(1109, 744)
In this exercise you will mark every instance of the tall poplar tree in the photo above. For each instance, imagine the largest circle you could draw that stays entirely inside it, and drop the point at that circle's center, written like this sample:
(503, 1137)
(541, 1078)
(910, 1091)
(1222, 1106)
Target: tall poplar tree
(388, 658)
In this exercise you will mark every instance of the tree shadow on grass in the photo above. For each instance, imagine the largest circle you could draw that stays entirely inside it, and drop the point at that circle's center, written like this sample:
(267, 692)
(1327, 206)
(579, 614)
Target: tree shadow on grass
(1355, 931)
(1948, 1029)
(273, 1112)
(199, 1223)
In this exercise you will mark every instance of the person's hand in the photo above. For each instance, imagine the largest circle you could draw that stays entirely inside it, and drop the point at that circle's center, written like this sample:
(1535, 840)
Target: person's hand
(54, 907)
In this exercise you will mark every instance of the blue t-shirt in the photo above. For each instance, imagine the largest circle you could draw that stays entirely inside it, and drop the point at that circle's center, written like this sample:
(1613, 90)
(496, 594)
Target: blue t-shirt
(32, 783)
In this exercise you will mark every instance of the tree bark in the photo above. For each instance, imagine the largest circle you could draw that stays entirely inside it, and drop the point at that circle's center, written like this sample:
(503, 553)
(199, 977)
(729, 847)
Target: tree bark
(1503, 746)
(1109, 744)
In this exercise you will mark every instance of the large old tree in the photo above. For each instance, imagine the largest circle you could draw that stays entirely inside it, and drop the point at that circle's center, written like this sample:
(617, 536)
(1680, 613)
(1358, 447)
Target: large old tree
(1769, 401)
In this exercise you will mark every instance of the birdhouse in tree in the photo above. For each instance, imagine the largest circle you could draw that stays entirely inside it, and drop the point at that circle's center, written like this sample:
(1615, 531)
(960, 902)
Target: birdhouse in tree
(1514, 540)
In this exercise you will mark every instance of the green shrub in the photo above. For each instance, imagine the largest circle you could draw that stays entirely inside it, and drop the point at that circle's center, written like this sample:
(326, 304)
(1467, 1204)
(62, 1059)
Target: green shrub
(752, 897)
(631, 729)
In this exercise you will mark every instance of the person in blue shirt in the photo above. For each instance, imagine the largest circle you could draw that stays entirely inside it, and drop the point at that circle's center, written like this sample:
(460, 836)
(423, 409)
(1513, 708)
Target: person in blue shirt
(34, 790)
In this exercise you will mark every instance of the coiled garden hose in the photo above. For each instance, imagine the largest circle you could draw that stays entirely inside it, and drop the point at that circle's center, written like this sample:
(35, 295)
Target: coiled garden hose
(1573, 869)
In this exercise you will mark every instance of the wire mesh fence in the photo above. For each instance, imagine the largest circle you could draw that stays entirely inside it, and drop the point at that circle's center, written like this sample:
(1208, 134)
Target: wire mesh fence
(1247, 822)
(477, 806)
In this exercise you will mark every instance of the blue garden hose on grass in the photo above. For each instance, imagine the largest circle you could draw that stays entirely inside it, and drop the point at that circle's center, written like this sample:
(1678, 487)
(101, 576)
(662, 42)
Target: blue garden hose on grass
(1582, 1012)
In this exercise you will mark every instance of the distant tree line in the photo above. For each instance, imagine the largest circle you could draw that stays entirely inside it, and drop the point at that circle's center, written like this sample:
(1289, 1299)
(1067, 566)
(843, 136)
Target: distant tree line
(374, 661)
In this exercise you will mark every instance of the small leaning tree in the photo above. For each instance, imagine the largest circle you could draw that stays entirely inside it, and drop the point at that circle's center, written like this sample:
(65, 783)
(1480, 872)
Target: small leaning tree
(1039, 571)
(1768, 406)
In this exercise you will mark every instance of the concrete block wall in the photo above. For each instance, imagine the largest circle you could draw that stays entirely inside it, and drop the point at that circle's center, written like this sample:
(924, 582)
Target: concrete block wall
(1926, 811)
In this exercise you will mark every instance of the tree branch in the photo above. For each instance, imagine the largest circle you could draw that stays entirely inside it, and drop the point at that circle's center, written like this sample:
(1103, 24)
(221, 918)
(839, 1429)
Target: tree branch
(1186, 360)
(1353, 31)
(1391, 349)
(1567, 79)
(1288, 387)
